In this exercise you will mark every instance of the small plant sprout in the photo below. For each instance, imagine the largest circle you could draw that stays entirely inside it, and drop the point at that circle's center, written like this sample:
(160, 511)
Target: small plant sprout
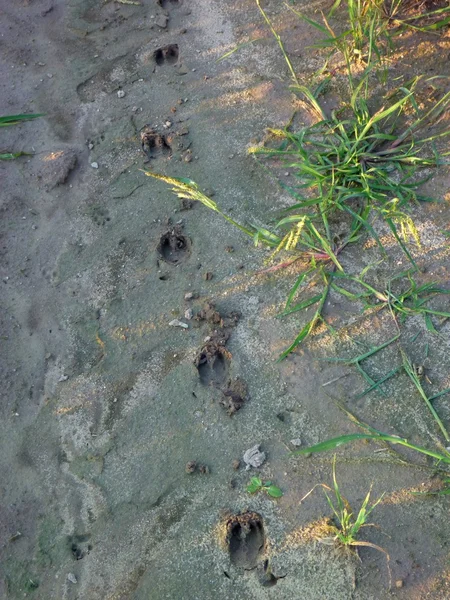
(7, 121)
(345, 527)
(256, 485)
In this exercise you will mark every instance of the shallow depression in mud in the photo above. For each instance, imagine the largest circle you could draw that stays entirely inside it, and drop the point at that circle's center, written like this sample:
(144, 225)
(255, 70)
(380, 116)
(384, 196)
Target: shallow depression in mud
(167, 54)
(173, 246)
(246, 539)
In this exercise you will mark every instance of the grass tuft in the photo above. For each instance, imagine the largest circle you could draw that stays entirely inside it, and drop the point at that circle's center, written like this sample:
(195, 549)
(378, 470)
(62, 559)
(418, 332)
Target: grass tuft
(346, 527)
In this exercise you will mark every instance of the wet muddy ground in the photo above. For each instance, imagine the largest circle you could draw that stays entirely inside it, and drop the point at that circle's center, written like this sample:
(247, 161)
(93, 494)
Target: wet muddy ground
(139, 338)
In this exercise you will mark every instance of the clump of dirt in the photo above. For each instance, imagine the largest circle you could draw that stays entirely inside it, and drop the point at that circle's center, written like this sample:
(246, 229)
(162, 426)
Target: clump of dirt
(244, 538)
(234, 396)
(192, 466)
(211, 315)
(173, 246)
(56, 167)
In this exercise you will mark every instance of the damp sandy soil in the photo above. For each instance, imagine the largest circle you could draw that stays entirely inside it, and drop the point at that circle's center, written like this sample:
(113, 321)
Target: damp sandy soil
(122, 435)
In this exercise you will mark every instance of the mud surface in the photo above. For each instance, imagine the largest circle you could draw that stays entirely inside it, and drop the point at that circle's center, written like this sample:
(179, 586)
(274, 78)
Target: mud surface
(104, 405)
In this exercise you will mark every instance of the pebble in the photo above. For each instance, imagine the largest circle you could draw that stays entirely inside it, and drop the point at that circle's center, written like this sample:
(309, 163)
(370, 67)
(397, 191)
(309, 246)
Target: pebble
(162, 21)
(399, 583)
(296, 442)
(71, 577)
(90, 145)
(188, 314)
(253, 457)
(189, 295)
(188, 157)
(121, 94)
(94, 165)
(63, 378)
(178, 323)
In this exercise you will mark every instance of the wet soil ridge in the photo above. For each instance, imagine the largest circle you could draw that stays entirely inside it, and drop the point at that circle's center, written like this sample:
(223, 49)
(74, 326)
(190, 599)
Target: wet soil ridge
(173, 246)
(245, 539)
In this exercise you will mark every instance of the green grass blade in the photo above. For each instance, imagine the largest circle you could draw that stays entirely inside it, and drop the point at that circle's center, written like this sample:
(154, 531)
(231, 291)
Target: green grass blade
(13, 155)
(300, 306)
(7, 120)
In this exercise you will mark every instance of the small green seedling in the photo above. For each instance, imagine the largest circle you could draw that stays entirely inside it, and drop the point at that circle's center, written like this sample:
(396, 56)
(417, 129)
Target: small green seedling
(7, 121)
(256, 485)
(345, 527)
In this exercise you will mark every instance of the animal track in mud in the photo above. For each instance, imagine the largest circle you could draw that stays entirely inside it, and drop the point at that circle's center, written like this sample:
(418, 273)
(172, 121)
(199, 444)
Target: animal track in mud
(164, 3)
(173, 246)
(79, 546)
(99, 215)
(109, 78)
(154, 143)
(245, 539)
(166, 54)
(213, 362)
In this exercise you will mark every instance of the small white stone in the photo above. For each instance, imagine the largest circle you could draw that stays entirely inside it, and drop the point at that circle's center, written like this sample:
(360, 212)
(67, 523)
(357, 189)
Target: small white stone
(178, 323)
(296, 442)
(90, 145)
(188, 314)
(120, 94)
(71, 577)
(94, 165)
(207, 339)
